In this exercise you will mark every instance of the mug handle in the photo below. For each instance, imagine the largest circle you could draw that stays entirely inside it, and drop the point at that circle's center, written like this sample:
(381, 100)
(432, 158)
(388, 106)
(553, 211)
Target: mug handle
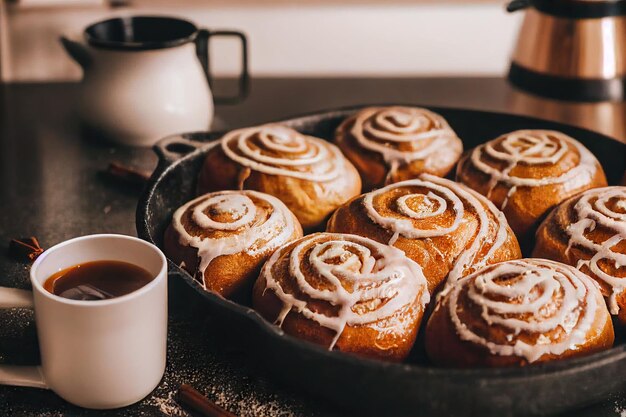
(20, 376)
(202, 50)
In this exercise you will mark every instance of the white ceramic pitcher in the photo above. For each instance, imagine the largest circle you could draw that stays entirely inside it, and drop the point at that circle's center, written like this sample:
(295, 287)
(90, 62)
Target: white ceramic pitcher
(146, 77)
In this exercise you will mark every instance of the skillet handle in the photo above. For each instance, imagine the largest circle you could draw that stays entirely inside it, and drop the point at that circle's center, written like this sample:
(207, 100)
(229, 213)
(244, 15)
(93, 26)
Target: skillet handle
(169, 150)
(172, 148)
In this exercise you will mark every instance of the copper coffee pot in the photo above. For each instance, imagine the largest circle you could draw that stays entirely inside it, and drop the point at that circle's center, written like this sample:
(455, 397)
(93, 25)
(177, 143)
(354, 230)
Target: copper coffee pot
(571, 49)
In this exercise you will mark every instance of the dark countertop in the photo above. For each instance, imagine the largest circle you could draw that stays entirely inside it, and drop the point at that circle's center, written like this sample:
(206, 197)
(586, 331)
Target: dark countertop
(51, 187)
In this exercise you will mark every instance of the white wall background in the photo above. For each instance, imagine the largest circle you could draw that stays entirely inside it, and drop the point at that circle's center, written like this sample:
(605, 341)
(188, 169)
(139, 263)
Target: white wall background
(313, 39)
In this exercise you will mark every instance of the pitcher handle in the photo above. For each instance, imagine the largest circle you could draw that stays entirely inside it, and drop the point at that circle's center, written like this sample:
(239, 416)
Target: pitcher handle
(20, 376)
(202, 50)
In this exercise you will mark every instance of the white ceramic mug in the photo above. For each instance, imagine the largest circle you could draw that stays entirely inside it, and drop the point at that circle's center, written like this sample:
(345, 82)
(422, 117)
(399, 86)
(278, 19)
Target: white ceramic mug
(96, 354)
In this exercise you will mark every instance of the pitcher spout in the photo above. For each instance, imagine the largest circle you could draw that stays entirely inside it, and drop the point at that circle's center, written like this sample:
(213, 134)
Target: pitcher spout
(77, 51)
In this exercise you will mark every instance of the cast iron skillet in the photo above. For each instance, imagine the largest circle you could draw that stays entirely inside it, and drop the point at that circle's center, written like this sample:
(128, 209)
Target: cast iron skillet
(372, 386)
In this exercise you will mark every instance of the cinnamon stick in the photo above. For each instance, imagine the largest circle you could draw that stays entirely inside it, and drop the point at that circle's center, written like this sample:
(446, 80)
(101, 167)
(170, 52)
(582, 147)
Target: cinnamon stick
(127, 174)
(191, 399)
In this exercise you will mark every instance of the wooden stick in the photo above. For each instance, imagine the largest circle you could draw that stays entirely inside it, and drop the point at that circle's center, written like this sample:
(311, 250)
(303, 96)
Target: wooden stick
(189, 398)
(127, 174)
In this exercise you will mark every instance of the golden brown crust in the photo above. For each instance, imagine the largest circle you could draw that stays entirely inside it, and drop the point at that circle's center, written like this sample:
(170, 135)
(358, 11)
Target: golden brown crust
(437, 255)
(446, 346)
(315, 191)
(446, 349)
(525, 205)
(414, 151)
(228, 274)
(391, 334)
(579, 228)
(363, 341)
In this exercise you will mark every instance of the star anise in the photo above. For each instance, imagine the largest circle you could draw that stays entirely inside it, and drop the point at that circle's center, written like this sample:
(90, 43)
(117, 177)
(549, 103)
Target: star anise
(27, 248)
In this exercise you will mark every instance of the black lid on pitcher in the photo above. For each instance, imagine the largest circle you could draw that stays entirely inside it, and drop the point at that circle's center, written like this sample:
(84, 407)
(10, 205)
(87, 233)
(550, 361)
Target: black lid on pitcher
(140, 32)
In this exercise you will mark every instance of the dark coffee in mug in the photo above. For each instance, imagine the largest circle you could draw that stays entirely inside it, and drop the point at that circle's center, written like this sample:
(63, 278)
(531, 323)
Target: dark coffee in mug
(97, 280)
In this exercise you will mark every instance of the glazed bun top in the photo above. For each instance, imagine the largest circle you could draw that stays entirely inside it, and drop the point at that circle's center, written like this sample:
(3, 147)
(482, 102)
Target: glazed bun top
(437, 208)
(230, 222)
(526, 308)
(527, 172)
(533, 158)
(400, 136)
(449, 229)
(278, 150)
(339, 280)
(592, 229)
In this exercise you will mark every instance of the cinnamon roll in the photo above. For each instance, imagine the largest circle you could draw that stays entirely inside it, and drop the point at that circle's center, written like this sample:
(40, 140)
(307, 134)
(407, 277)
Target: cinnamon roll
(516, 313)
(344, 292)
(448, 229)
(391, 144)
(588, 231)
(223, 238)
(527, 172)
(310, 175)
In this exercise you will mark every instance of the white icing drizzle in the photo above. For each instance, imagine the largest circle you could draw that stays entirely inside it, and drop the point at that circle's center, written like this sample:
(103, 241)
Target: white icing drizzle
(279, 150)
(532, 148)
(385, 129)
(443, 195)
(530, 296)
(358, 269)
(247, 233)
(592, 211)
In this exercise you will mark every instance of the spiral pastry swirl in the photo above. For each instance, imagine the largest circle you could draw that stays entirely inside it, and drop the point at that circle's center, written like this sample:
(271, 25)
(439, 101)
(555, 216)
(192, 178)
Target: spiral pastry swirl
(311, 176)
(445, 227)
(232, 226)
(589, 232)
(391, 144)
(279, 150)
(518, 312)
(348, 285)
(527, 172)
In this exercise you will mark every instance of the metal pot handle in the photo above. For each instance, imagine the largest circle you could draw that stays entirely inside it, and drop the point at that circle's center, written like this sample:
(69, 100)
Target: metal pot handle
(169, 150)
(172, 148)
